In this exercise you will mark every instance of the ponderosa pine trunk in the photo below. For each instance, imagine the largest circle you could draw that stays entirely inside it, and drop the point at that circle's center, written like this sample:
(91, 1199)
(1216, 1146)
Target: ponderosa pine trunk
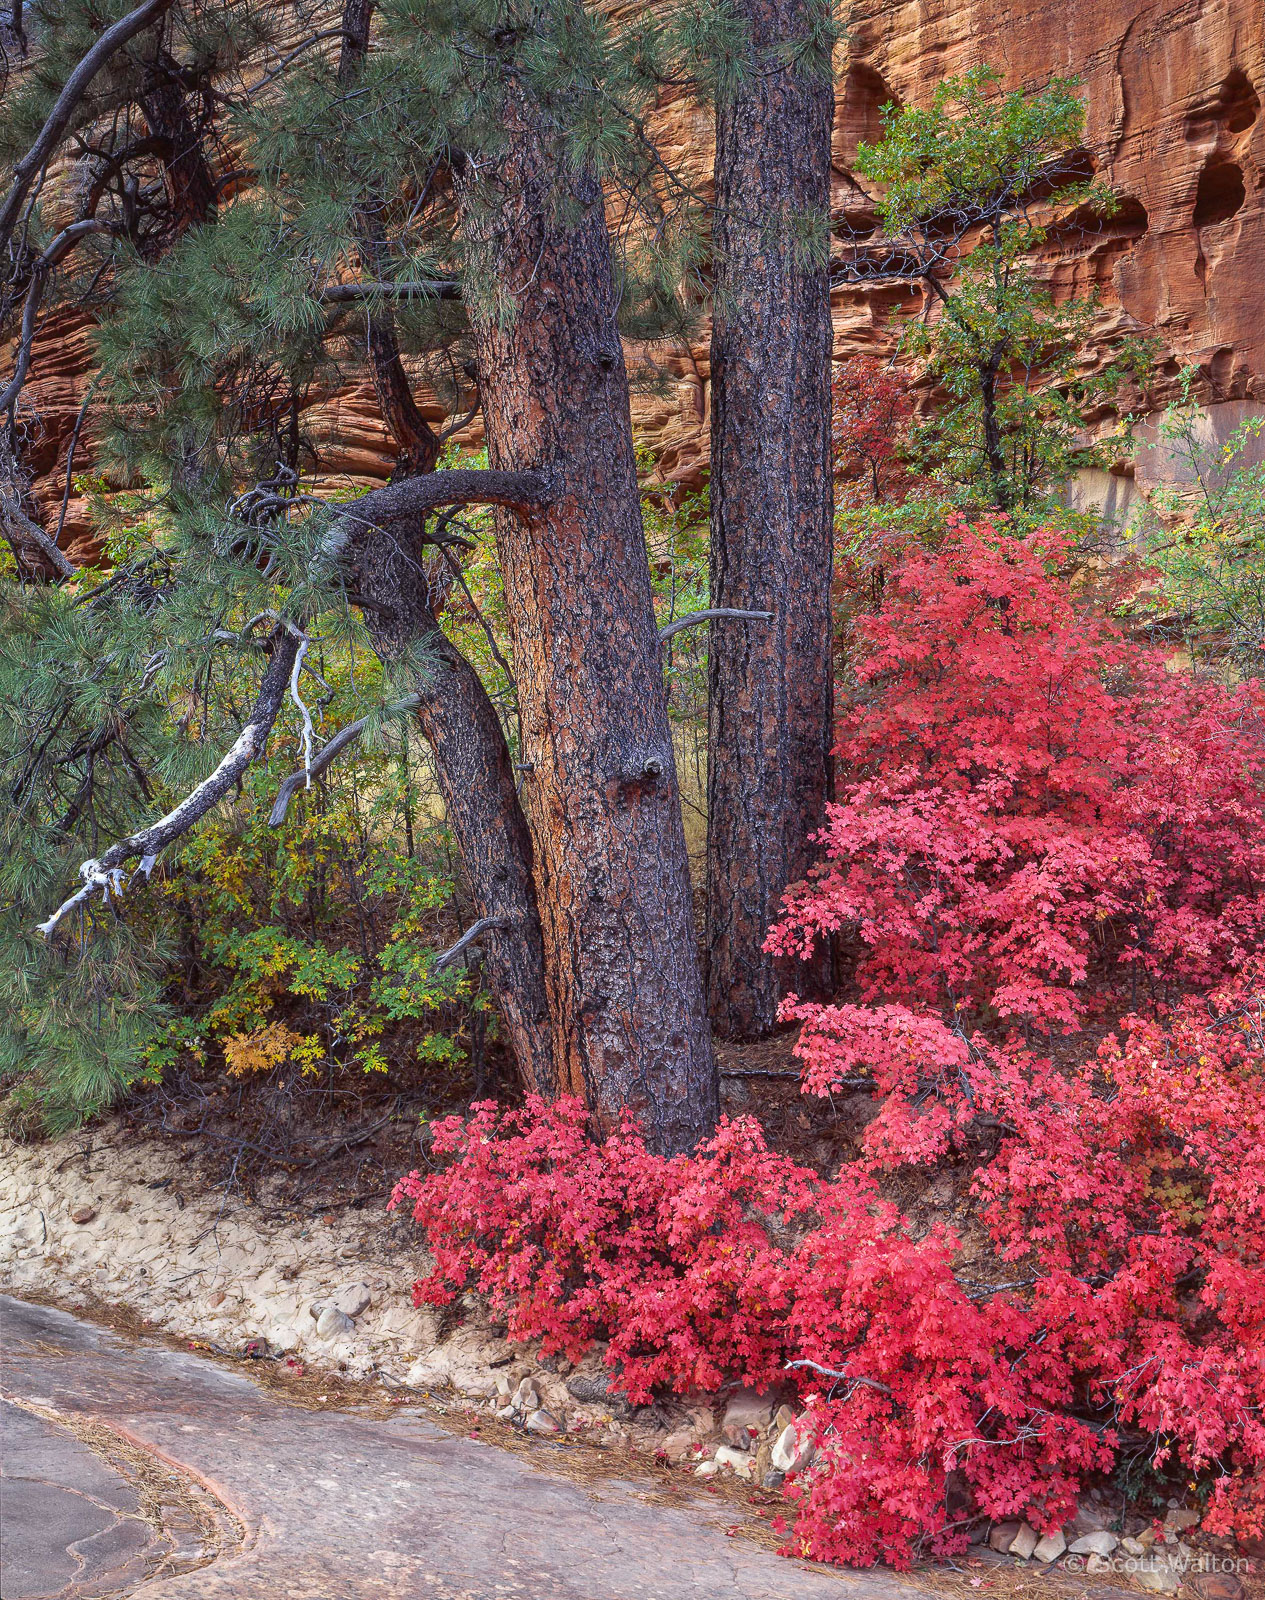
(600, 791)
(393, 573)
(769, 685)
(179, 147)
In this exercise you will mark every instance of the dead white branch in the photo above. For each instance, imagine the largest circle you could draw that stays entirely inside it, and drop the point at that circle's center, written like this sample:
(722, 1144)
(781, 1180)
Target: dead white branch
(105, 873)
(324, 758)
(482, 926)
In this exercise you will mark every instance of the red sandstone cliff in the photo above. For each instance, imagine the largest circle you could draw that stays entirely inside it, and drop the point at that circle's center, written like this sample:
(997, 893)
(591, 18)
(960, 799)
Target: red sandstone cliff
(1173, 91)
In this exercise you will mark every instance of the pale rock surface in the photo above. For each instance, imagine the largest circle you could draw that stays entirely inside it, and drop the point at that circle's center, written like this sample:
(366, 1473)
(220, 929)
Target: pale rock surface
(208, 1266)
(738, 1461)
(1049, 1548)
(1099, 1543)
(527, 1396)
(334, 1324)
(354, 1300)
(746, 1414)
(1158, 1576)
(790, 1452)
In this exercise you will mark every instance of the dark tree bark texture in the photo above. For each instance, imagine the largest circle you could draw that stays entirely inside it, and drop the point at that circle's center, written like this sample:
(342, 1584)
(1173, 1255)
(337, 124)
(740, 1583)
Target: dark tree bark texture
(770, 693)
(394, 573)
(600, 794)
(179, 147)
(419, 445)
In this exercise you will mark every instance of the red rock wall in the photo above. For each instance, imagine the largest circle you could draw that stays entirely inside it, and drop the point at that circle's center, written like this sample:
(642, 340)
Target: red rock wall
(1173, 90)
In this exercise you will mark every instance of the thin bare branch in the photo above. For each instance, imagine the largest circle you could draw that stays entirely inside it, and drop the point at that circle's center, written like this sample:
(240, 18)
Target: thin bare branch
(849, 1377)
(105, 873)
(469, 937)
(58, 120)
(60, 246)
(19, 529)
(693, 618)
(324, 758)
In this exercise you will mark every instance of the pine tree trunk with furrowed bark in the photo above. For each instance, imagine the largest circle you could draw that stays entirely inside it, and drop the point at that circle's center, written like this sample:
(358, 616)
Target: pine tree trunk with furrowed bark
(399, 576)
(600, 792)
(395, 573)
(770, 685)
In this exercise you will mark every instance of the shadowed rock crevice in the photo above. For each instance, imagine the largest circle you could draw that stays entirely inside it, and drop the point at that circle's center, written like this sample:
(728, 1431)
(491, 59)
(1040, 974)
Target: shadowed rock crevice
(1220, 194)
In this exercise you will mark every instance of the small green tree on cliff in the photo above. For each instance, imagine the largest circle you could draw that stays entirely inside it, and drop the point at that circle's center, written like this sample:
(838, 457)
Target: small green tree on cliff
(971, 186)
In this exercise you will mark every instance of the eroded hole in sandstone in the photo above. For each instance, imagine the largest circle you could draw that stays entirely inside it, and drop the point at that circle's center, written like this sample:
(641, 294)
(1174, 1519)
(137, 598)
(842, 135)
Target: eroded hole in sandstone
(865, 93)
(1076, 167)
(1083, 247)
(1129, 221)
(1233, 107)
(1241, 101)
(1220, 193)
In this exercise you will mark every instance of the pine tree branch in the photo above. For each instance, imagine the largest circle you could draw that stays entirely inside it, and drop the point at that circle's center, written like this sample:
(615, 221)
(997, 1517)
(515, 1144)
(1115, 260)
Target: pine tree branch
(469, 937)
(325, 758)
(411, 498)
(105, 873)
(58, 120)
(378, 510)
(60, 246)
(436, 289)
(20, 530)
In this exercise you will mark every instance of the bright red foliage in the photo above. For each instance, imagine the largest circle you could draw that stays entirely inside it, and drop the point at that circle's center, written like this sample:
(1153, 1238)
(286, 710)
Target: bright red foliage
(871, 409)
(1035, 806)
(1138, 1204)
(1127, 1208)
(672, 1261)
(1031, 795)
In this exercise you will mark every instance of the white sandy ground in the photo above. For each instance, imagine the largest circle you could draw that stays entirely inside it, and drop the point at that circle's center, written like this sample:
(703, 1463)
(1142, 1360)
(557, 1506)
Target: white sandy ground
(209, 1266)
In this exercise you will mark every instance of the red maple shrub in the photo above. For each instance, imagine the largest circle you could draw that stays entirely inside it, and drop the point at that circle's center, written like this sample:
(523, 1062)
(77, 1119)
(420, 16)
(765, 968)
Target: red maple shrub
(871, 410)
(1037, 814)
(1129, 1200)
(673, 1261)
(1126, 1208)
(1133, 1191)
(1031, 801)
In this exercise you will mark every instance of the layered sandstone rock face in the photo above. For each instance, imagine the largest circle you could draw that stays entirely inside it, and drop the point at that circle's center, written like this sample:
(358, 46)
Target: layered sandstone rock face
(1173, 90)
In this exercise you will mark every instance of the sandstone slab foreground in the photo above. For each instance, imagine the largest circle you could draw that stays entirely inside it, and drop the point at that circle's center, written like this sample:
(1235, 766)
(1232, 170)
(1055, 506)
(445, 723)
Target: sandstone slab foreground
(336, 1506)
